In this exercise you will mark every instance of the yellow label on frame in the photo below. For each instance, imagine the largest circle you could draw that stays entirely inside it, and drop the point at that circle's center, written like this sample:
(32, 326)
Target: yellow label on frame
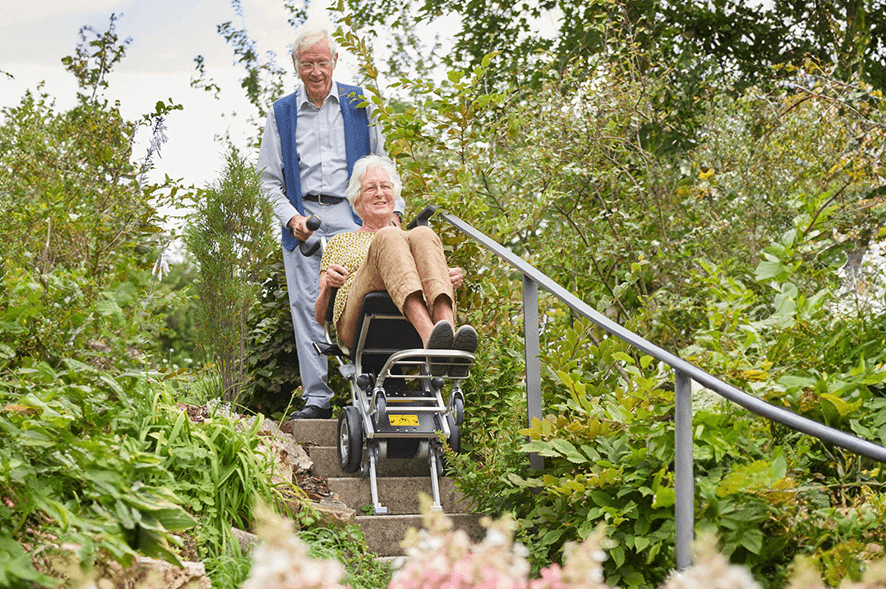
(403, 420)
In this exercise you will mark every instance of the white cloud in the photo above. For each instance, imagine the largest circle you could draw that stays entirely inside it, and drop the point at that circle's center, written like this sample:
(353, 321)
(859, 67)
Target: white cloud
(17, 13)
(166, 36)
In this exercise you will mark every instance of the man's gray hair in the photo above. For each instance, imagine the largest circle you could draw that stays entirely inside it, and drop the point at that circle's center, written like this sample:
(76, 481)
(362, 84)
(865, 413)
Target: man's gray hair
(360, 168)
(310, 37)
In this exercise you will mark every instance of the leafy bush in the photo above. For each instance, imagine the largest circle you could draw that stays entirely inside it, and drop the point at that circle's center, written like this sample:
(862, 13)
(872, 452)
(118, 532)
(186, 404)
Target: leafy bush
(273, 360)
(90, 439)
(439, 556)
(726, 250)
(213, 466)
(71, 475)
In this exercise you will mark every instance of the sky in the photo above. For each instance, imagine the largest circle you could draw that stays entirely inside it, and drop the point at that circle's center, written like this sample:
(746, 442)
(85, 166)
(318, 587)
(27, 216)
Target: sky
(166, 37)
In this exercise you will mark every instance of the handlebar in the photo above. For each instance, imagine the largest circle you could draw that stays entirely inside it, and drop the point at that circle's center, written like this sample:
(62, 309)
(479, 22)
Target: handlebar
(310, 246)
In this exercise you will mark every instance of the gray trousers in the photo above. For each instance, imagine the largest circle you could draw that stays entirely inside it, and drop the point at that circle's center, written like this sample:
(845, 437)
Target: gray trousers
(302, 282)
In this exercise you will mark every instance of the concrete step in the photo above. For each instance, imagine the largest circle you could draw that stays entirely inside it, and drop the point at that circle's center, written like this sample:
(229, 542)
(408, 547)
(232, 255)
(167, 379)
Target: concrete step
(319, 432)
(399, 483)
(326, 465)
(384, 533)
(398, 494)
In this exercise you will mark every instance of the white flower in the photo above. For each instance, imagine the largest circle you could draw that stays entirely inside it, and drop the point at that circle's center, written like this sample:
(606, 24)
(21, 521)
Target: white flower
(161, 266)
(160, 131)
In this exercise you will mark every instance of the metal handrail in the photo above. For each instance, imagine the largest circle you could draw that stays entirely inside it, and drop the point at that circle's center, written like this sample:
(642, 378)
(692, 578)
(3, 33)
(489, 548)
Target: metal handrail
(684, 374)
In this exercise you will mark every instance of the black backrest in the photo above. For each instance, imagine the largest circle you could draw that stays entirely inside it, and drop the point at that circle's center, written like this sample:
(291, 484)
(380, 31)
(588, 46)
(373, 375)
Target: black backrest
(382, 330)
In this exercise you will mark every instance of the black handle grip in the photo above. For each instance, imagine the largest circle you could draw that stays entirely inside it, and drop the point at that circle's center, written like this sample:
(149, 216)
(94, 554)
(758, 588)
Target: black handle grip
(312, 244)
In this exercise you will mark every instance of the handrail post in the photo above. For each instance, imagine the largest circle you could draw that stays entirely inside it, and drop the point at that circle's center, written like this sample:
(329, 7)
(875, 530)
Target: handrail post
(684, 486)
(533, 363)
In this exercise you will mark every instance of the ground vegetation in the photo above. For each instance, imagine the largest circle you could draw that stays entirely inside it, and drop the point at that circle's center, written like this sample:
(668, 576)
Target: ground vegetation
(115, 442)
(735, 220)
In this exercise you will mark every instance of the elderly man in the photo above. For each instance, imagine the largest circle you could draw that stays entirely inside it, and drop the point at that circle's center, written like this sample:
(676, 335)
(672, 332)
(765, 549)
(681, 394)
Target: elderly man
(311, 140)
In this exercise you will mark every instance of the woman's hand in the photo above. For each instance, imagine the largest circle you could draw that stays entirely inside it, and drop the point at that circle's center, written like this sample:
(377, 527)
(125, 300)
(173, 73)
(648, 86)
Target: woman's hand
(457, 276)
(336, 276)
(332, 277)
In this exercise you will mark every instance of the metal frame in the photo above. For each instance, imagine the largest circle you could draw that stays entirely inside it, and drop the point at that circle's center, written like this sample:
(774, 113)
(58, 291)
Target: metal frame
(684, 374)
(374, 407)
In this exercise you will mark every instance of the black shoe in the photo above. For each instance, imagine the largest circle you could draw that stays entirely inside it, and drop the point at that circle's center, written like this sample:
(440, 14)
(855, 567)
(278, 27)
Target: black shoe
(311, 412)
(465, 340)
(441, 338)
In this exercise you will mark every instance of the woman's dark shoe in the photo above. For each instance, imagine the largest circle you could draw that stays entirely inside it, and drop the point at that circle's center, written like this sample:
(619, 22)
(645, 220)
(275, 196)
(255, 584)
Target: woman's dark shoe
(466, 340)
(441, 338)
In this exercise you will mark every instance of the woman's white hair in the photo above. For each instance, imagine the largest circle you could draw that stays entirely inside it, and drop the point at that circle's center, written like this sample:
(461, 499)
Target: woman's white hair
(372, 162)
(310, 37)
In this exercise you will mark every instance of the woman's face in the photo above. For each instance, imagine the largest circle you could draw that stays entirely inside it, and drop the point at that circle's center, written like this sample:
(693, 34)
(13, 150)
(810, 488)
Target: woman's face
(376, 200)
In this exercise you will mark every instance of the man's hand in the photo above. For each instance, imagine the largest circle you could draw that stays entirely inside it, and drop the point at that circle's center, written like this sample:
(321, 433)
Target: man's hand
(395, 220)
(336, 275)
(299, 227)
(457, 276)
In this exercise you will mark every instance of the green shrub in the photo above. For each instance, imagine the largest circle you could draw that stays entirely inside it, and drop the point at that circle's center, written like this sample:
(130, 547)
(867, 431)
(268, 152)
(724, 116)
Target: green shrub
(70, 471)
(230, 239)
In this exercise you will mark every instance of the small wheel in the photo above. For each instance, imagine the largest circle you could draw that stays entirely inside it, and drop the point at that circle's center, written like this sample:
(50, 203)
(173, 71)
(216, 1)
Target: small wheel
(454, 439)
(459, 405)
(350, 440)
(381, 404)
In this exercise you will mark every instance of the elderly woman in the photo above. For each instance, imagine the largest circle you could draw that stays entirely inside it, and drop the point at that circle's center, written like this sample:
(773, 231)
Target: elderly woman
(410, 265)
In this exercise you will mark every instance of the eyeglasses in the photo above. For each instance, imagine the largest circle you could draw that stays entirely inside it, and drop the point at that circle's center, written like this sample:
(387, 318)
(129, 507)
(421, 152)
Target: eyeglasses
(378, 186)
(307, 66)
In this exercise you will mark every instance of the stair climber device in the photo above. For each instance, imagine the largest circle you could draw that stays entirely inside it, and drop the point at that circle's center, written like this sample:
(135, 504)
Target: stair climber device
(397, 408)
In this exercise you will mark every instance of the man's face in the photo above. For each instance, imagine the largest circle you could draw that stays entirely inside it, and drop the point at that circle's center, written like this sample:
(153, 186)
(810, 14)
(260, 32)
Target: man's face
(314, 66)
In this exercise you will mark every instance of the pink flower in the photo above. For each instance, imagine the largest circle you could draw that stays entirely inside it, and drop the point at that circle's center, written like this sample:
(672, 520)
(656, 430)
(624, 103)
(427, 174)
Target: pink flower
(551, 578)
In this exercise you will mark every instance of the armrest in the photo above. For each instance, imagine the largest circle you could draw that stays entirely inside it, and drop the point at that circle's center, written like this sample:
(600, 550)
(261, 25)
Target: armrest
(331, 306)
(422, 218)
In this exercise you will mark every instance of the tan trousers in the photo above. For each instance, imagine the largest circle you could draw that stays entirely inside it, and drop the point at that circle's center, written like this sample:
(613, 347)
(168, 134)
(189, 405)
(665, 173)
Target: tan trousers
(401, 263)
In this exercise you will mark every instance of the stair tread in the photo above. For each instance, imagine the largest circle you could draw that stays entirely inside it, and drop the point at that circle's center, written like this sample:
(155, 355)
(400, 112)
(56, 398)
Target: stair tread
(384, 533)
(399, 483)
(400, 495)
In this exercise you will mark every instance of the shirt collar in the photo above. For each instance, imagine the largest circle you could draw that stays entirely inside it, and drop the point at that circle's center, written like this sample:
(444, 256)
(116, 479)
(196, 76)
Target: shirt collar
(333, 94)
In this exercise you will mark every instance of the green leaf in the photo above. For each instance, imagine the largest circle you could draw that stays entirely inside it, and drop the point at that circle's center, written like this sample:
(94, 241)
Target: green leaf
(569, 451)
(779, 468)
(790, 381)
(523, 483)
(836, 408)
(617, 553)
(125, 515)
(664, 497)
(16, 566)
(621, 356)
(768, 270)
(455, 76)
(752, 540)
(110, 310)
